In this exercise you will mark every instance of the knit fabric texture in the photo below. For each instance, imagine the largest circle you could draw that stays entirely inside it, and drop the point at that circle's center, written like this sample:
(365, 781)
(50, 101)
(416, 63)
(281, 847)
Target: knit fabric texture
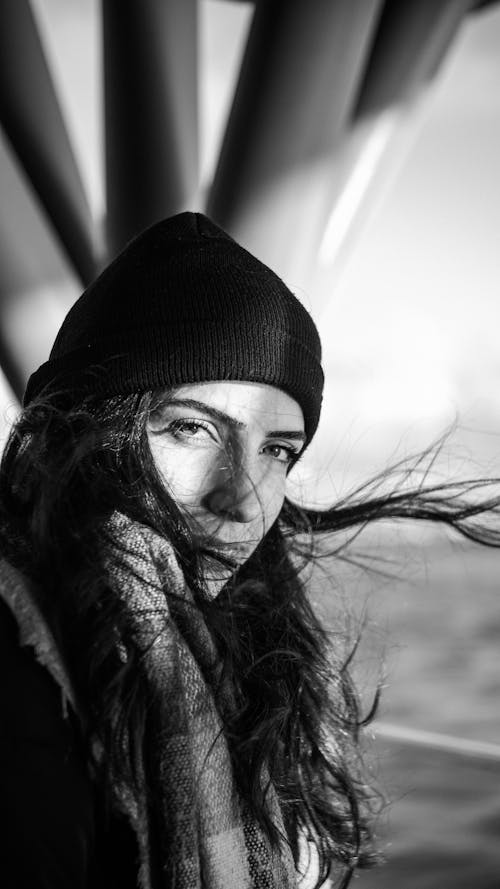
(184, 303)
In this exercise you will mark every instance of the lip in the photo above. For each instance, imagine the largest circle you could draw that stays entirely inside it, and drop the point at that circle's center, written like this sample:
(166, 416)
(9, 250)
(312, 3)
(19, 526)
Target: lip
(236, 552)
(230, 545)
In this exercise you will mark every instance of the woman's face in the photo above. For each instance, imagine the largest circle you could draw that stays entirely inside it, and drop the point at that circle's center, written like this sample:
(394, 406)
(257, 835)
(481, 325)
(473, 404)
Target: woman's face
(224, 450)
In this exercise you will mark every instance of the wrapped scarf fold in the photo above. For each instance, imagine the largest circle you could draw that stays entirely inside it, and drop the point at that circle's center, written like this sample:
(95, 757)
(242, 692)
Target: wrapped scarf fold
(200, 834)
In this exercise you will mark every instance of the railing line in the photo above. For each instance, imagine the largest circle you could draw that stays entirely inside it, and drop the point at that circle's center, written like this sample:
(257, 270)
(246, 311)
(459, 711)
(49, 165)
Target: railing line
(483, 750)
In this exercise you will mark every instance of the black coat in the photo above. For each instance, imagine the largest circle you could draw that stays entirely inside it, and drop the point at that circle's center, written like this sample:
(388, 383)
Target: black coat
(53, 830)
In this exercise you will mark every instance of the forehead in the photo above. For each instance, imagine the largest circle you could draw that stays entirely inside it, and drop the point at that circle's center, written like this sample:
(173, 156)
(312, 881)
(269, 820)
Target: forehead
(247, 403)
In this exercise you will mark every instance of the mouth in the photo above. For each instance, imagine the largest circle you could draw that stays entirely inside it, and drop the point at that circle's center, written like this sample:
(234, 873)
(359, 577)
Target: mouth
(224, 532)
(223, 554)
(228, 555)
(231, 548)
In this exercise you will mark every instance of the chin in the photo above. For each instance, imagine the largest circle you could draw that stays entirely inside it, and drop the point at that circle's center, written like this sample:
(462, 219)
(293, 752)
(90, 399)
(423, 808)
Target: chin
(215, 575)
(214, 587)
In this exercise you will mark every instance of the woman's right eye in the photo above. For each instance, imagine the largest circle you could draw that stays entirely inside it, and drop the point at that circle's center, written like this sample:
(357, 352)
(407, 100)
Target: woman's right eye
(186, 430)
(183, 429)
(189, 428)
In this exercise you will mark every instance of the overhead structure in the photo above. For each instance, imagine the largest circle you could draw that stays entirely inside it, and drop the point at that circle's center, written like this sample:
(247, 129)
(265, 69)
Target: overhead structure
(318, 120)
(151, 112)
(324, 94)
(33, 122)
(46, 230)
(31, 261)
(300, 75)
(410, 43)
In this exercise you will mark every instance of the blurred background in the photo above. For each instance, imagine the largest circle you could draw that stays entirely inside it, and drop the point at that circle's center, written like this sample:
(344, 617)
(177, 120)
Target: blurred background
(353, 145)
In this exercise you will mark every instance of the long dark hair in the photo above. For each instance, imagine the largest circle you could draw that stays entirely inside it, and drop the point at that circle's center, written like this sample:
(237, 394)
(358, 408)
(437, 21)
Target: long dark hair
(297, 717)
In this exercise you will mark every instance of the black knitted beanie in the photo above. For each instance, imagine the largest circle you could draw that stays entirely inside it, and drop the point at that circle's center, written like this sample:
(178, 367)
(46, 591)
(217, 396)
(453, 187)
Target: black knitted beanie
(184, 303)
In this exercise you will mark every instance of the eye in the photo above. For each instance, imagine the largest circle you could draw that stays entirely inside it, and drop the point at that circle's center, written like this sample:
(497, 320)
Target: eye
(182, 429)
(185, 428)
(281, 453)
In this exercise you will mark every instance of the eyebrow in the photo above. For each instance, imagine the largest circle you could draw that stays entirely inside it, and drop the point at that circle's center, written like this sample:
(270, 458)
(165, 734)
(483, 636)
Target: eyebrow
(292, 434)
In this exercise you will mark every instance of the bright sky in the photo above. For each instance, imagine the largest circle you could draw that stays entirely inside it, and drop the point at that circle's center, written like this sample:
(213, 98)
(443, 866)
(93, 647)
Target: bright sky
(411, 330)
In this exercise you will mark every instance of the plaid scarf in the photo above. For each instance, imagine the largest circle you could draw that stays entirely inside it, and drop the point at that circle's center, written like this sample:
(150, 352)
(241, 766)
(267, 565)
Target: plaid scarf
(201, 833)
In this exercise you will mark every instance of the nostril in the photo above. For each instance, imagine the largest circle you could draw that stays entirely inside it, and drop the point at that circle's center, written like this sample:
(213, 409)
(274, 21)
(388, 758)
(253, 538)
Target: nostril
(220, 503)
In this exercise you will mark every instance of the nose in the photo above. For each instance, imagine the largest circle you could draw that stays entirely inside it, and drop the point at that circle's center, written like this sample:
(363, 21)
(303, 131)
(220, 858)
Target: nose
(236, 495)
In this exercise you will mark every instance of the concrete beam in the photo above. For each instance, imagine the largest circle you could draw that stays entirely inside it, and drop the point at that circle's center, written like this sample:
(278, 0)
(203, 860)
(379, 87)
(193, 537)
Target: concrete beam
(151, 112)
(299, 77)
(34, 124)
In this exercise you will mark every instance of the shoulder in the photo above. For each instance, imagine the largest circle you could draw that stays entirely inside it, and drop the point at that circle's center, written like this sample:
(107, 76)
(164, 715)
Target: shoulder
(46, 796)
(31, 701)
(47, 800)
(53, 827)
(31, 632)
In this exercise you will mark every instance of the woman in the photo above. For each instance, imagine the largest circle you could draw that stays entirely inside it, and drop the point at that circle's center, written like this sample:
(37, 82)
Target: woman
(173, 711)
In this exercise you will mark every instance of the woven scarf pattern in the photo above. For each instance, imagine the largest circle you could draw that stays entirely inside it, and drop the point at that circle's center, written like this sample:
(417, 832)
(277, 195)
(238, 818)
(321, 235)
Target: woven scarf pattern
(208, 838)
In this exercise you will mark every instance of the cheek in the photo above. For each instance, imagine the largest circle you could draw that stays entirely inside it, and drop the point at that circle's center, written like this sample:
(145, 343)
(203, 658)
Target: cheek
(272, 499)
(276, 502)
(183, 470)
